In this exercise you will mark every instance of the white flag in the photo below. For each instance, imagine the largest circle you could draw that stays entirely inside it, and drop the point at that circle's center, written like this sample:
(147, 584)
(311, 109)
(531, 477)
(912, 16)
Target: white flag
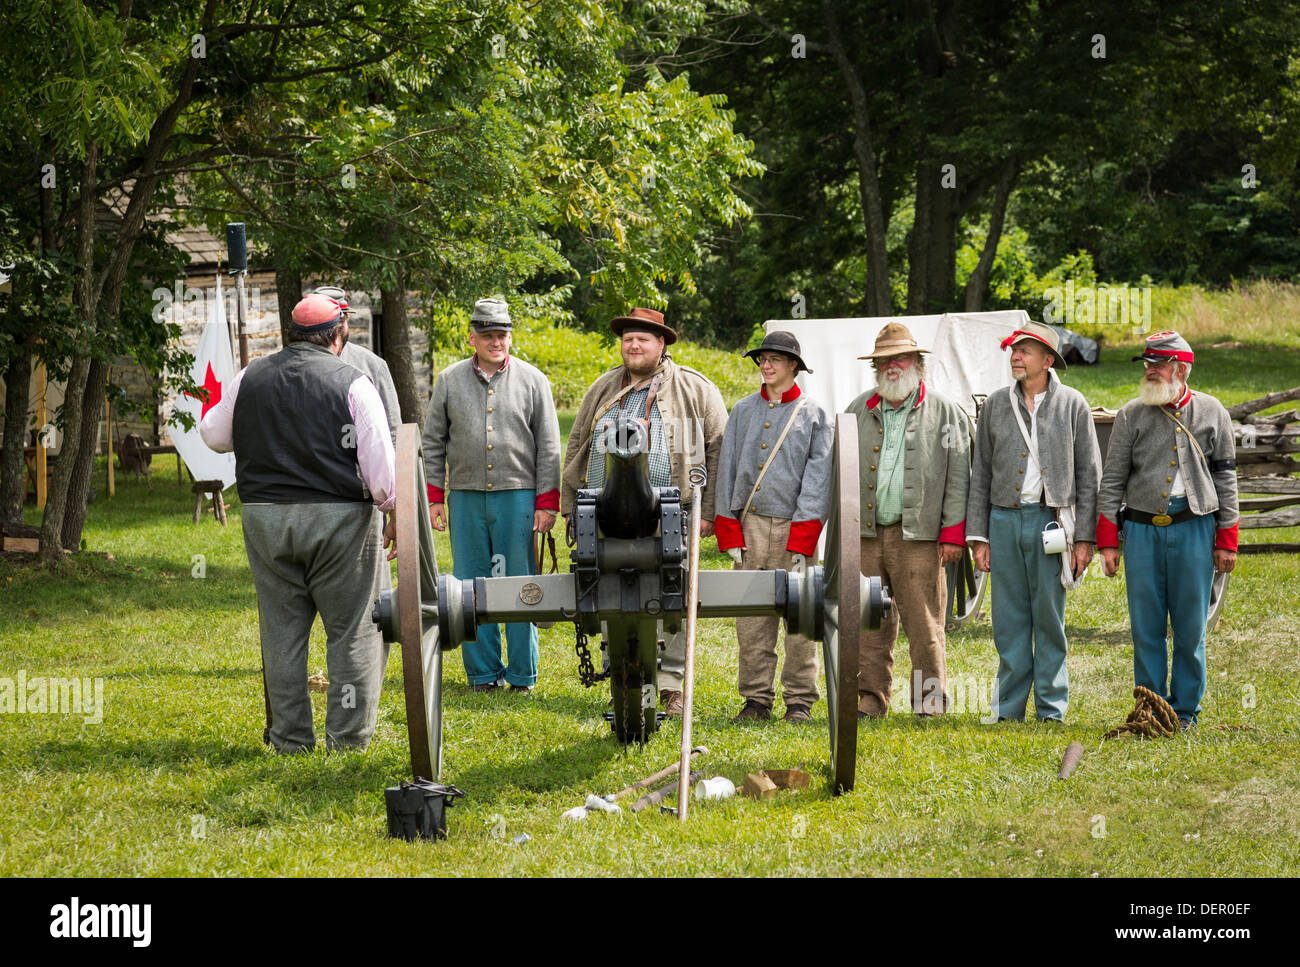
(214, 369)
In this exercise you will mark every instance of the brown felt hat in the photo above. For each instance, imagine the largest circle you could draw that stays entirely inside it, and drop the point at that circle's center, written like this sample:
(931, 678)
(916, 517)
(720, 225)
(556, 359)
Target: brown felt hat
(895, 339)
(644, 320)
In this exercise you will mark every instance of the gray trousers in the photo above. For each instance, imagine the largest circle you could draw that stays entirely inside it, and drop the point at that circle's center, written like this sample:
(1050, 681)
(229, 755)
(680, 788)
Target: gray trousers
(308, 559)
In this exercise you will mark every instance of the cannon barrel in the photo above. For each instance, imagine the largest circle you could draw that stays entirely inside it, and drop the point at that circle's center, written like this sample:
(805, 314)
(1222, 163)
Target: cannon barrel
(627, 507)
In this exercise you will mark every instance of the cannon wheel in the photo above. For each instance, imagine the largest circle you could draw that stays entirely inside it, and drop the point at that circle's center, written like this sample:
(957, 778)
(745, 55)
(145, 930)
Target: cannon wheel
(417, 588)
(1218, 591)
(843, 605)
(966, 587)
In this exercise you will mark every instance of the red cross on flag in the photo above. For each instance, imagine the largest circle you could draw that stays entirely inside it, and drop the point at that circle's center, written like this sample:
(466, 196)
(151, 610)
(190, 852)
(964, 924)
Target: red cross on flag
(214, 368)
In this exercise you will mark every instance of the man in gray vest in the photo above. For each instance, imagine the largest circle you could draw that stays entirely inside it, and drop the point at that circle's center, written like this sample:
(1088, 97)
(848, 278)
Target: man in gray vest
(774, 484)
(492, 465)
(313, 462)
(1036, 463)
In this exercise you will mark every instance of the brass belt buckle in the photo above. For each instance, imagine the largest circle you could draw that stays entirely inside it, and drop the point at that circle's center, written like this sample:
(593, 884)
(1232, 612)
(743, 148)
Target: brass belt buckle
(1161, 520)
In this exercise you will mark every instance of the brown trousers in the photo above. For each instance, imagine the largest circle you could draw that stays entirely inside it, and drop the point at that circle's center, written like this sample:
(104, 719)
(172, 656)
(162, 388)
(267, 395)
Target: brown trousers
(920, 591)
(765, 539)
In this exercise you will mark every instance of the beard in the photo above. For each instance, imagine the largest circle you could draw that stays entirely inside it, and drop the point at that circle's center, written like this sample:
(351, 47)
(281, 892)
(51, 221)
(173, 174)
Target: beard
(895, 390)
(1159, 393)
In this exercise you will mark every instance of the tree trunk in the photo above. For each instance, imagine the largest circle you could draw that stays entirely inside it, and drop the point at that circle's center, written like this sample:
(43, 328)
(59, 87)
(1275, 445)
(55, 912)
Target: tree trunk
(397, 349)
(288, 292)
(85, 298)
(977, 284)
(13, 480)
(873, 209)
(83, 468)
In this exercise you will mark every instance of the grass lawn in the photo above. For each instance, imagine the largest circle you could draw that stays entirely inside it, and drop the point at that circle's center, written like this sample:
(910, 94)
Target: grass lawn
(175, 779)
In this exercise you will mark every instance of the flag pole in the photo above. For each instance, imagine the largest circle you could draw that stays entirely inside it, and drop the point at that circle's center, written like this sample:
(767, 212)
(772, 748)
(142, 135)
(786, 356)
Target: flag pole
(237, 248)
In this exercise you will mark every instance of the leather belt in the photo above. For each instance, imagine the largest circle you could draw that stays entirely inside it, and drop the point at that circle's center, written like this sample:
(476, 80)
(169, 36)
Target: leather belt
(1158, 520)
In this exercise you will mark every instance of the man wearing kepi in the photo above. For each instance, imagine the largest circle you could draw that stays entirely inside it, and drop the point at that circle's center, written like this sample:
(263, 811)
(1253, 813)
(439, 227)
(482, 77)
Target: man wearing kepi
(914, 472)
(313, 460)
(1036, 467)
(374, 366)
(492, 437)
(773, 492)
(686, 418)
(1171, 467)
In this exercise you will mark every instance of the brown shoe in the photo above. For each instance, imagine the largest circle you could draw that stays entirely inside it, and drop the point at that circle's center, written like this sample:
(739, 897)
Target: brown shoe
(797, 713)
(525, 690)
(485, 687)
(673, 704)
(753, 712)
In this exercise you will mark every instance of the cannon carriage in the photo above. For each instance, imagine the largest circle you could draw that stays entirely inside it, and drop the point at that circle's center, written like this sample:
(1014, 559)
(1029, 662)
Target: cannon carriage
(630, 584)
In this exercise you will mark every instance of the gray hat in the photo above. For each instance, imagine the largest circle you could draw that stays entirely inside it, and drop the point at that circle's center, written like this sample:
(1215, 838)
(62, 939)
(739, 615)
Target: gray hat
(333, 292)
(491, 315)
(778, 340)
(1164, 346)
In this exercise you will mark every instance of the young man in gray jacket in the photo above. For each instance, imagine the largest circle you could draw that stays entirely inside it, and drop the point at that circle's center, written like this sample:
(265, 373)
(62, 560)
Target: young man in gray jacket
(492, 458)
(1036, 456)
(1172, 460)
(774, 482)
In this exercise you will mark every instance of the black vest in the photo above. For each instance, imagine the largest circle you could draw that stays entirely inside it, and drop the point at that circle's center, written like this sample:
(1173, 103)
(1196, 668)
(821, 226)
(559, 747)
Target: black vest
(293, 434)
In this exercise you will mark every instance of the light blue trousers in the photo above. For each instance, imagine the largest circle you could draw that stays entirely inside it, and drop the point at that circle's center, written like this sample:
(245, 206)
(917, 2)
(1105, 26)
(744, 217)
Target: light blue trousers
(488, 528)
(1028, 614)
(1169, 572)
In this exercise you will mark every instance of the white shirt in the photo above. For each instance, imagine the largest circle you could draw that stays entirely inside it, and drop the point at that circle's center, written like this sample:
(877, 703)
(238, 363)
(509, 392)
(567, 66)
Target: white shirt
(1032, 489)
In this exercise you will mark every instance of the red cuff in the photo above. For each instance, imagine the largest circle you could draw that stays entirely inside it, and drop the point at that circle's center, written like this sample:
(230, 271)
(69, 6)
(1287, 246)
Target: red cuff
(1225, 538)
(1107, 532)
(727, 531)
(436, 496)
(803, 537)
(548, 501)
(956, 534)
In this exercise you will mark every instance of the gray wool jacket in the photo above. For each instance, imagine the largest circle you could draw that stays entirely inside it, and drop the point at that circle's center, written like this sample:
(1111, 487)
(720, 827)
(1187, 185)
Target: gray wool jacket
(493, 434)
(796, 487)
(1067, 452)
(1146, 447)
(359, 357)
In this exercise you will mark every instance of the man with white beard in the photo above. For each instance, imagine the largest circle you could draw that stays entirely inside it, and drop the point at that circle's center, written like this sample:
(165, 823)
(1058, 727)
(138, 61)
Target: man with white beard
(1172, 463)
(1036, 465)
(914, 472)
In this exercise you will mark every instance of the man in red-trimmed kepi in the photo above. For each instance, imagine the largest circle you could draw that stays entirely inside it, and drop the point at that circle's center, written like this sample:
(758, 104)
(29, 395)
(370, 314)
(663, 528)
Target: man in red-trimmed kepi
(1171, 467)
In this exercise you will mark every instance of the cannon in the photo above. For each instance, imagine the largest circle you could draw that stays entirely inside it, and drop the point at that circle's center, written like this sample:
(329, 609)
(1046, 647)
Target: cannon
(630, 583)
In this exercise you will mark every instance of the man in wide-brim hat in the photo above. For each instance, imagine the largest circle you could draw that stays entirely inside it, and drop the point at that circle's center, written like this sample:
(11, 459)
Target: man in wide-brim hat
(774, 482)
(1036, 461)
(914, 467)
(686, 417)
(1171, 467)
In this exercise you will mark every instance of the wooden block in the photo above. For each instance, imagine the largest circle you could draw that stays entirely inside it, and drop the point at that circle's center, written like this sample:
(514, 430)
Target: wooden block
(758, 786)
(788, 778)
(25, 545)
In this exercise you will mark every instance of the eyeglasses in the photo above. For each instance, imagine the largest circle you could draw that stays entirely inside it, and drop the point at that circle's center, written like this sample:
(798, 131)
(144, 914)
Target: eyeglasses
(1153, 364)
(769, 359)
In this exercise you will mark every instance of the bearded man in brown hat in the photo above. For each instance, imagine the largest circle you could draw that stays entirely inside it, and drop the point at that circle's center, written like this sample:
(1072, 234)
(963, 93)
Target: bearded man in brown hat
(687, 418)
(914, 465)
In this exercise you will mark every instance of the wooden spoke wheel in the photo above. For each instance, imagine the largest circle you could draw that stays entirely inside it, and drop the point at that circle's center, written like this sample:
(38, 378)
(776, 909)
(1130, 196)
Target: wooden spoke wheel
(843, 597)
(414, 603)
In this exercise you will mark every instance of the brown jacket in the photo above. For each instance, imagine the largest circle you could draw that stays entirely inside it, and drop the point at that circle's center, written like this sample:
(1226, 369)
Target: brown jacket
(694, 416)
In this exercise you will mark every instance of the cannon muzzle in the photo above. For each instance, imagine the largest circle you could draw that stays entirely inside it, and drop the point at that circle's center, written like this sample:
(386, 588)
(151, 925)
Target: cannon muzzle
(627, 507)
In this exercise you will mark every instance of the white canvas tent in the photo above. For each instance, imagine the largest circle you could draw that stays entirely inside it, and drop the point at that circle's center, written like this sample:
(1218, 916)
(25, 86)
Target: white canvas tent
(965, 355)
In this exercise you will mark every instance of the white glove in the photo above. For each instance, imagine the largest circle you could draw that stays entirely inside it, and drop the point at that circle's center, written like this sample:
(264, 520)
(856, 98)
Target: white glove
(797, 563)
(735, 553)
